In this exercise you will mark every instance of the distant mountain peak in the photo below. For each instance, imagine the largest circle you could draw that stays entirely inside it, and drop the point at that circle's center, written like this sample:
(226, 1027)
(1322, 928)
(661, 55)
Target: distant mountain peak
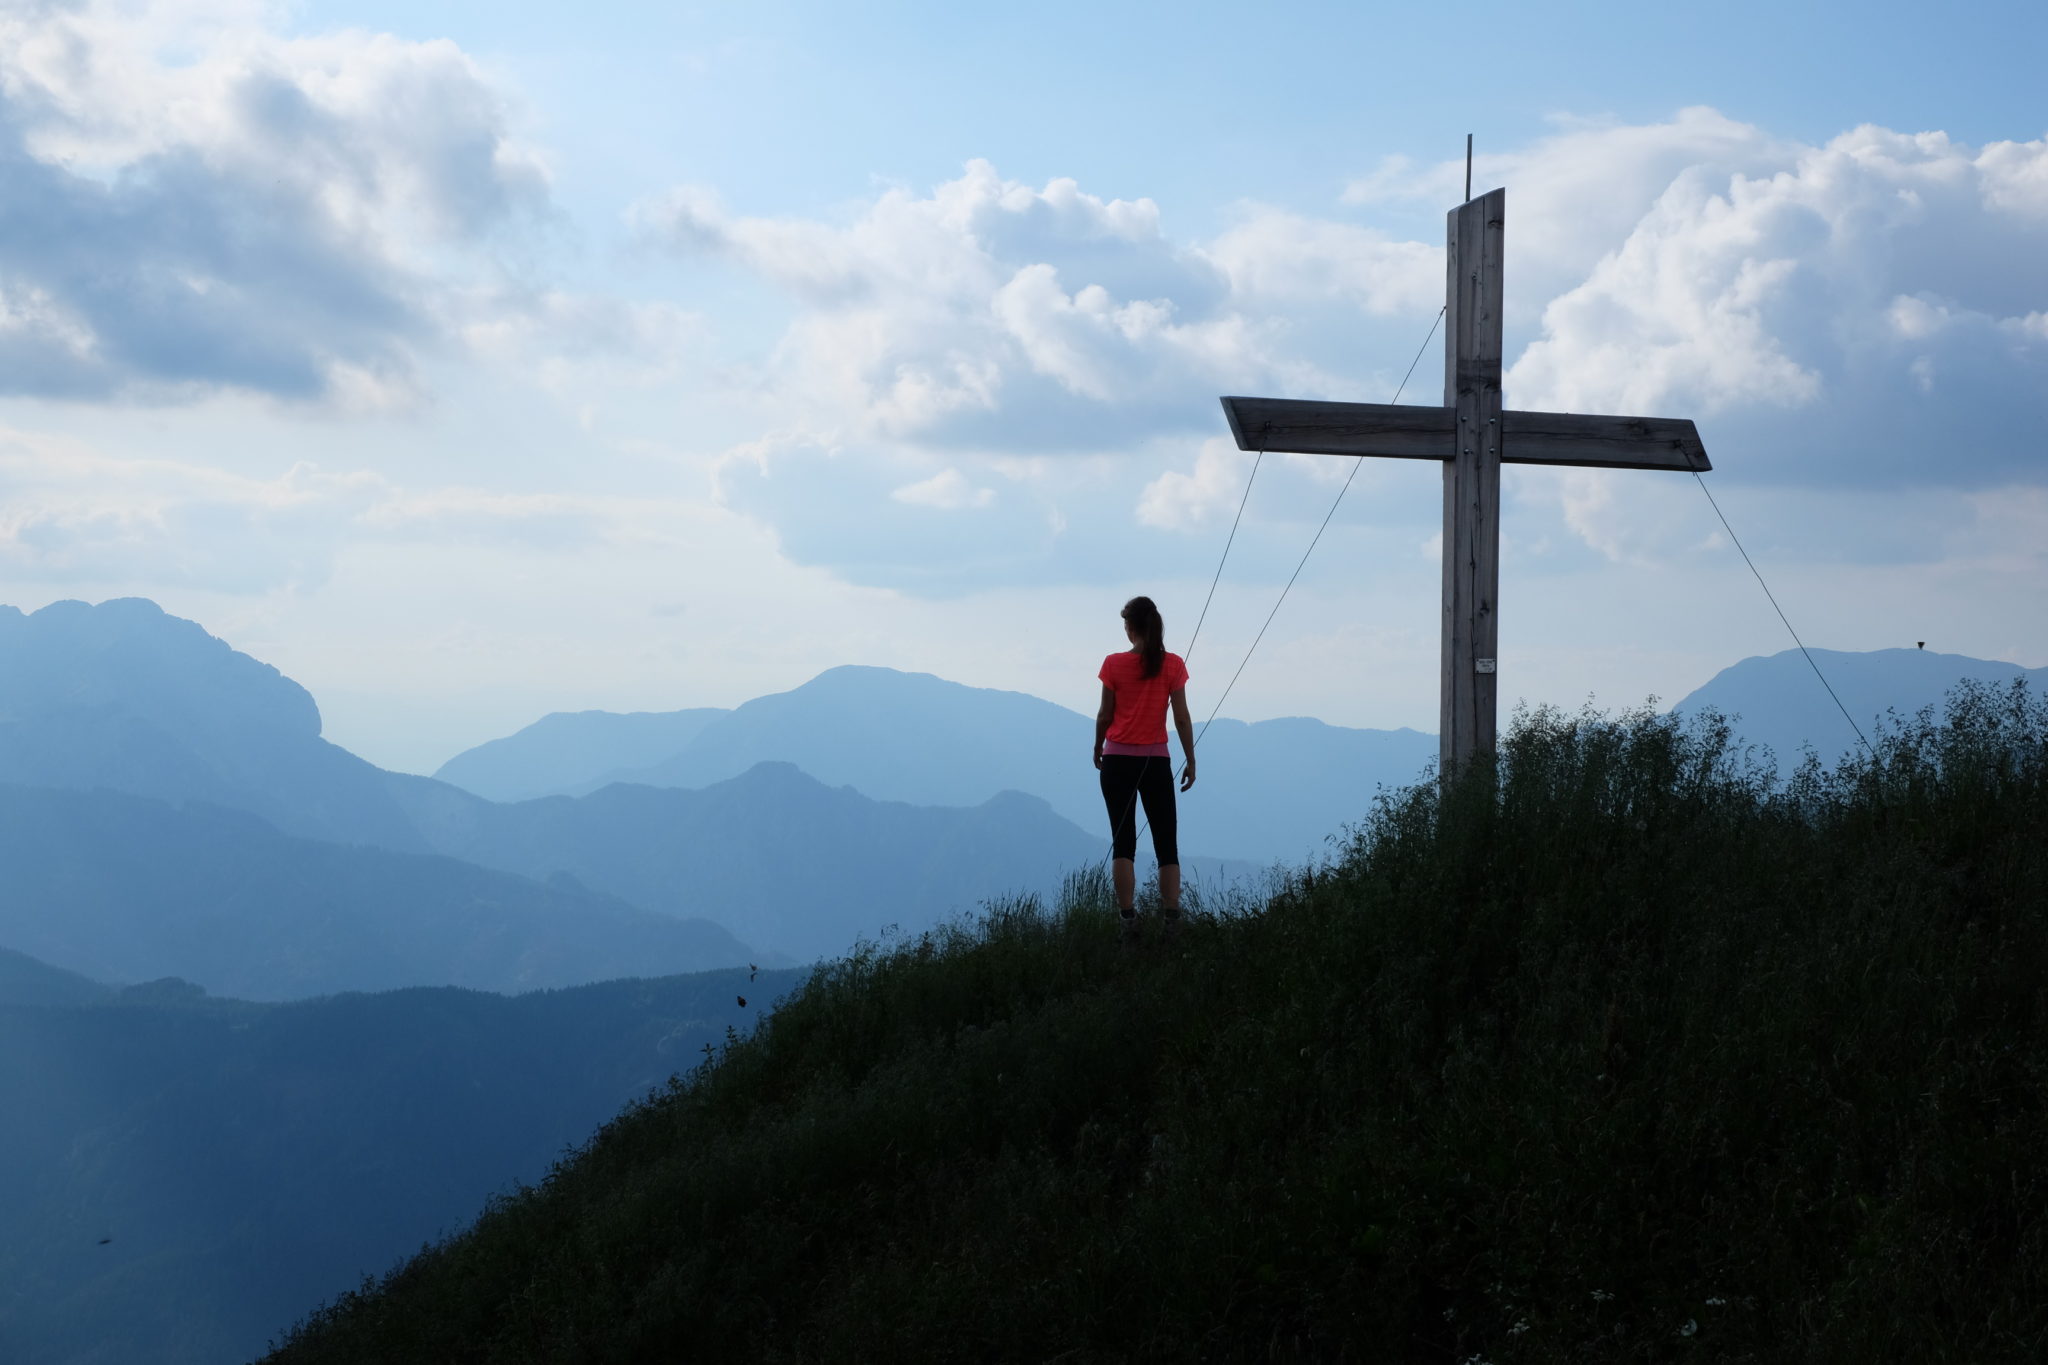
(123, 695)
(130, 655)
(892, 683)
(1775, 700)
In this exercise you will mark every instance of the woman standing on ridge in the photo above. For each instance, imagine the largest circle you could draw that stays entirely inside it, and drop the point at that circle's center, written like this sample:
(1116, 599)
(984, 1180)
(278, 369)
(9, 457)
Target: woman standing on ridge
(1138, 684)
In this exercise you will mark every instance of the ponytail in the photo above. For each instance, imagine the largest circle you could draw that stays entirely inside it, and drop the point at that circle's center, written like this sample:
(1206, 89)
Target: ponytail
(1143, 617)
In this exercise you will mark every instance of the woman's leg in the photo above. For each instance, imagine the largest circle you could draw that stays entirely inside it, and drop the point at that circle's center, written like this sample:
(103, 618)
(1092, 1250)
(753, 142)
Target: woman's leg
(1156, 788)
(1121, 776)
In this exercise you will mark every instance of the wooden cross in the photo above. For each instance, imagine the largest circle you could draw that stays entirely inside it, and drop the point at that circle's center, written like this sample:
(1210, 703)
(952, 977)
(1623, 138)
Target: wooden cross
(1473, 437)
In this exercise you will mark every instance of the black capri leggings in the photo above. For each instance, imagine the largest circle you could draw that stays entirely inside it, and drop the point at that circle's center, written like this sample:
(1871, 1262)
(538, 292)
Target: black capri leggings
(1127, 779)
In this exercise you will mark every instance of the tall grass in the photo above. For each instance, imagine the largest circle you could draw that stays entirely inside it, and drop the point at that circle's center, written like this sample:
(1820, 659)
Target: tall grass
(1620, 1049)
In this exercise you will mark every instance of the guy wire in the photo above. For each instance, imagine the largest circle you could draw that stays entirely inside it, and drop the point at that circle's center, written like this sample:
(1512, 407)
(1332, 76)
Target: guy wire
(1781, 612)
(1356, 461)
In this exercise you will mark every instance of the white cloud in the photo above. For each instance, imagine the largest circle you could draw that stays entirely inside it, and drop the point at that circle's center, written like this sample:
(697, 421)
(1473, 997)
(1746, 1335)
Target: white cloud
(948, 491)
(1576, 194)
(1863, 309)
(1277, 261)
(1175, 501)
(196, 202)
(990, 316)
(574, 344)
(1866, 308)
(72, 513)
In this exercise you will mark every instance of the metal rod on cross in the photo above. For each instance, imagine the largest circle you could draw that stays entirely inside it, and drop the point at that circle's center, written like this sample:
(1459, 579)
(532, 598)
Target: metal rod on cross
(1472, 436)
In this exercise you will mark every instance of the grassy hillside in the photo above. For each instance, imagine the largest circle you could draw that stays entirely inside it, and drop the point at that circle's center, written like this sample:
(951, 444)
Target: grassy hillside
(1628, 1054)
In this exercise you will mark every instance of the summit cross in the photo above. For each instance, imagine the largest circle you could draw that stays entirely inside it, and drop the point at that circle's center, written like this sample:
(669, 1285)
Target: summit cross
(1472, 437)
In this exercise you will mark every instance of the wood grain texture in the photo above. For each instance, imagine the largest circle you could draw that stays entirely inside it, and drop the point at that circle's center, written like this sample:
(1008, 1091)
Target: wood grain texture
(1474, 233)
(1599, 442)
(1307, 427)
(1406, 431)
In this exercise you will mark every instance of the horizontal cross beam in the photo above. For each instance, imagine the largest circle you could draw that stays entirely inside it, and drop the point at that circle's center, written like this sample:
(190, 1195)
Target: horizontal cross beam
(1309, 427)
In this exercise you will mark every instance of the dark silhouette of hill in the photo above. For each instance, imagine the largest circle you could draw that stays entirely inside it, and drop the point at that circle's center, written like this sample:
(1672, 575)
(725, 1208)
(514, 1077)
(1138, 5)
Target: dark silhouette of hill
(570, 750)
(1775, 700)
(121, 695)
(1270, 790)
(123, 888)
(1616, 1051)
(25, 981)
(773, 854)
(180, 1176)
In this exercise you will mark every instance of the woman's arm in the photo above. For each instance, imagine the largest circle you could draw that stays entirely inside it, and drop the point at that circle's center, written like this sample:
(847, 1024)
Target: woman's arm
(1185, 724)
(1104, 714)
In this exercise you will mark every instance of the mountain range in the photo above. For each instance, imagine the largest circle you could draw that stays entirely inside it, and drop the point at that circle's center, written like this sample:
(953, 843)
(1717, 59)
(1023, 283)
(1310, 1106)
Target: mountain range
(803, 866)
(170, 815)
(121, 700)
(1269, 791)
(790, 826)
(121, 695)
(124, 888)
(182, 1176)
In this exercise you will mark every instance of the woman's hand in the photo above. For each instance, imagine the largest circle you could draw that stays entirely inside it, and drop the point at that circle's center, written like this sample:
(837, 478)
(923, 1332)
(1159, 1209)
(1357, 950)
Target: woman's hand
(1098, 759)
(1187, 773)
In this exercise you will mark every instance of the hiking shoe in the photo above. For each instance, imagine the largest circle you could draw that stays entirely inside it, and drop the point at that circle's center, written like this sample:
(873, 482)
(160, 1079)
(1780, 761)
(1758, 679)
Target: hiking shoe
(1171, 920)
(1127, 935)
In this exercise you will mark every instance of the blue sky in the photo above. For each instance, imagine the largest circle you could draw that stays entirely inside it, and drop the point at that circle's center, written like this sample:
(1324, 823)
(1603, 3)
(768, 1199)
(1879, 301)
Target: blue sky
(473, 361)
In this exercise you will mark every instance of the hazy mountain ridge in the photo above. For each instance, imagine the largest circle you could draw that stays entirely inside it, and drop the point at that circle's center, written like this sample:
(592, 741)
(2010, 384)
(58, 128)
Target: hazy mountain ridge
(124, 888)
(774, 853)
(1775, 700)
(921, 739)
(123, 696)
(569, 751)
(25, 980)
(807, 866)
(1269, 790)
(245, 1161)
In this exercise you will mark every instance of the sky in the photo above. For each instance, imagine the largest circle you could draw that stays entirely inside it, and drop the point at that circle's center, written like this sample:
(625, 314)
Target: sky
(474, 361)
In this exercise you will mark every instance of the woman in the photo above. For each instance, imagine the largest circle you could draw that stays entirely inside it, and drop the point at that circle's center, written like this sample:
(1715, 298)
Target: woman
(1138, 684)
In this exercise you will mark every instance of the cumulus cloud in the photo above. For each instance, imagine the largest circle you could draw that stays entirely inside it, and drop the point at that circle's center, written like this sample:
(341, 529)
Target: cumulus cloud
(576, 343)
(1183, 501)
(1277, 260)
(946, 491)
(1864, 311)
(994, 316)
(1873, 309)
(189, 201)
(71, 513)
(892, 517)
(1577, 193)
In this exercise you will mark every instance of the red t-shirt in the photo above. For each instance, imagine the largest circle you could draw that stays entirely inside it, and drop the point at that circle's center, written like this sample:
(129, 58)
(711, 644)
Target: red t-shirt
(1140, 701)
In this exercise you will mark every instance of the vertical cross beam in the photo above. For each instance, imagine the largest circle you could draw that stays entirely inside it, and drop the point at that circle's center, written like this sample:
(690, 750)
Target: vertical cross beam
(1472, 352)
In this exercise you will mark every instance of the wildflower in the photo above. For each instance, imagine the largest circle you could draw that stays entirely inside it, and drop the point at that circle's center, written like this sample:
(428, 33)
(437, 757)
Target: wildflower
(1715, 1303)
(1521, 1326)
(1689, 1328)
(1601, 1296)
